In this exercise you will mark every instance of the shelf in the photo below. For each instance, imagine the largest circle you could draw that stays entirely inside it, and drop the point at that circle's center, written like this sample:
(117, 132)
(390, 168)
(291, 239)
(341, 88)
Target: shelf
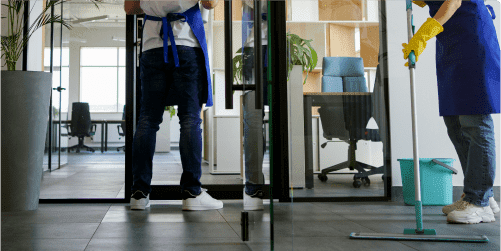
(351, 23)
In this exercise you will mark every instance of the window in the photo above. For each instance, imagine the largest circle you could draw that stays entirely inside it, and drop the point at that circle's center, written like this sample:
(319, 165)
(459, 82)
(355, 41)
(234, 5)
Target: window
(102, 78)
(61, 72)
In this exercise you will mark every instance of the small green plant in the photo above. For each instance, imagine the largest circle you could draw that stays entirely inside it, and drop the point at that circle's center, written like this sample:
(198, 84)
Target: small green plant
(171, 110)
(14, 42)
(300, 52)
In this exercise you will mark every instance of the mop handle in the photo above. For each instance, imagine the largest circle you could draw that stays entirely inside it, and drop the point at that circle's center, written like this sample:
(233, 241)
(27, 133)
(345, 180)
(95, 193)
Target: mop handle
(417, 184)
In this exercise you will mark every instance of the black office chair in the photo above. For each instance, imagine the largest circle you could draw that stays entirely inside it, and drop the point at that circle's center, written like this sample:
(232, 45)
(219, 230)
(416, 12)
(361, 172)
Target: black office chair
(81, 125)
(121, 134)
(348, 124)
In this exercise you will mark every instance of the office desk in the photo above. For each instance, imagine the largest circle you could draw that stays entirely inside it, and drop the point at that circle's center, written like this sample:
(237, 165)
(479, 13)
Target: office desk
(352, 100)
(106, 131)
(100, 121)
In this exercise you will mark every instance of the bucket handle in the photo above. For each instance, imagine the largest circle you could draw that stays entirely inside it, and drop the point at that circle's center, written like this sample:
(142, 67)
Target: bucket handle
(445, 165)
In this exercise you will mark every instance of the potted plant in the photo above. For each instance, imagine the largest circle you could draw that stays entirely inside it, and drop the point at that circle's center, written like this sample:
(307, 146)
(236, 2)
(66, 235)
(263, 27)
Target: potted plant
(300, 53)
(25, 108)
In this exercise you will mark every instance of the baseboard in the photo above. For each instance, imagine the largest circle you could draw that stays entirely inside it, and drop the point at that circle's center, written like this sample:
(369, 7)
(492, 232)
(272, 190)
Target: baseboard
(457, 191)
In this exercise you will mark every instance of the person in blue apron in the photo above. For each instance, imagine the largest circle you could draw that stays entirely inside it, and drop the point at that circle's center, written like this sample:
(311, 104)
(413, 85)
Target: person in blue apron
(468, 69)
(254, 128)
(174, 70)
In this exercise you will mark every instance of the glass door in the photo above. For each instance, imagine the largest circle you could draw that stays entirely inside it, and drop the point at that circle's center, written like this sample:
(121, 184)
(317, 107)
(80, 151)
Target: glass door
(337, 118)
(230, 44)
(235, 131)
(88, 98)
(337, 101)
(56, 61)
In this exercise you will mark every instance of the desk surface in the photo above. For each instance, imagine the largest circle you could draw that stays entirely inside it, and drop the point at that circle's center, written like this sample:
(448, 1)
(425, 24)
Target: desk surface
(336, 93)
(93, 121)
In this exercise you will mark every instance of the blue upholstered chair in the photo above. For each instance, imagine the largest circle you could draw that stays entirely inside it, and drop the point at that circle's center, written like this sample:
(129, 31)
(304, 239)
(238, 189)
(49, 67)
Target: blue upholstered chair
(347, 122)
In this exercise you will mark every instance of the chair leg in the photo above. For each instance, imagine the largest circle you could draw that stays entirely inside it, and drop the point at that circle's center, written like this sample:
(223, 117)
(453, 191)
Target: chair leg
(80, 145)
(122, 147)
(89, 148)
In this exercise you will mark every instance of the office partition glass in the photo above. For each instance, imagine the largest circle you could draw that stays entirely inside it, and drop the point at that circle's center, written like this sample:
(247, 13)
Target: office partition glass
(337, 104)
(338, 136)
(90, 136)
(55, 61)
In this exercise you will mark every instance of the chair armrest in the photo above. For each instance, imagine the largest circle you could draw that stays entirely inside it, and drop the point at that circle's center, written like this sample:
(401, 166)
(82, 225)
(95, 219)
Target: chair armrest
(118, 129)
(95, 127)
(69, 128)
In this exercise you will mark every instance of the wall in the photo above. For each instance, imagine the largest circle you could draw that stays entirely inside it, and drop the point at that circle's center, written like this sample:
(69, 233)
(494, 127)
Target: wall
(433, 139)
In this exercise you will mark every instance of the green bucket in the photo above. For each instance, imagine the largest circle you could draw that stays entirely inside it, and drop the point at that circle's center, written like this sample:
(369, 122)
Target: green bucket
(436, 181)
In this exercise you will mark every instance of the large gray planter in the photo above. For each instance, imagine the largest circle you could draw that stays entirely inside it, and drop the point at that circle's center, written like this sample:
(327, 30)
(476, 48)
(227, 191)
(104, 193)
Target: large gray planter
(25, 110)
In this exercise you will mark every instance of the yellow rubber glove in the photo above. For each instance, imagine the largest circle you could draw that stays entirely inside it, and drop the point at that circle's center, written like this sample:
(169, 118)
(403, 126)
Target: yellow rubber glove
(428, 30)
(419, 3)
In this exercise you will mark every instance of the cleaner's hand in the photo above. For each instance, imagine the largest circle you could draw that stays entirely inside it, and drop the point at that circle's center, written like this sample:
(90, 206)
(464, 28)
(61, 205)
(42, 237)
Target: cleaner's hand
(419, 3)
(428, 30)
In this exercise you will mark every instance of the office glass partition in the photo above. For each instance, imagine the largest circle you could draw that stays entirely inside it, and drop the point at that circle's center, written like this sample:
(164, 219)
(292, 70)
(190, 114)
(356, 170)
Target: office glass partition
(337, 115)
(222, 127)
(53, 63)
(337, 107)
(88, 66)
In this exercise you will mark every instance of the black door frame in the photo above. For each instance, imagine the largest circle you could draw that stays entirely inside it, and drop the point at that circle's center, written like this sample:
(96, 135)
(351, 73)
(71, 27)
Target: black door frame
(279, 185)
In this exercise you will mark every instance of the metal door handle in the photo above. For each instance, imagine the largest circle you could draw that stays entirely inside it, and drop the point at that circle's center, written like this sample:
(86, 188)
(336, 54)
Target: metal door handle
(59, 89)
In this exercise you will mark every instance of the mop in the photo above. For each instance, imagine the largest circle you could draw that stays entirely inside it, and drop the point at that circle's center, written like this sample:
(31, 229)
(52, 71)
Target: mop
(418, 234)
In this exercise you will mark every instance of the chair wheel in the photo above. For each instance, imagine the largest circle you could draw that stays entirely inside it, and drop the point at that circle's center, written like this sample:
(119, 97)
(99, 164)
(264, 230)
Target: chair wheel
(357, 183)
(322, 177)
(366, 181)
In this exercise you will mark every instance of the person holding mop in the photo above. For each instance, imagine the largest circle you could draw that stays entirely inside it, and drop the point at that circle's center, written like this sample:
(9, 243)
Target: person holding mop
(468, 76)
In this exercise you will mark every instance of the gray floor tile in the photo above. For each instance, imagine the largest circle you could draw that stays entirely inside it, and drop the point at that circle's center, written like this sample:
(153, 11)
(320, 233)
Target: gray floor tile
(164, 230)
(160, 213)
(426, 245)
(153, 244)
(328, 244)
(45, 244)
(44, 216)
(301, 229)
(52, 230)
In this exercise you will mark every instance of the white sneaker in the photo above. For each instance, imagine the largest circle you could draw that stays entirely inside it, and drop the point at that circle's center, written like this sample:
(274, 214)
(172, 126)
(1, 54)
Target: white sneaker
(253, 202)
(203, 201)
(494, 205)
(470, 214)
(139, 201)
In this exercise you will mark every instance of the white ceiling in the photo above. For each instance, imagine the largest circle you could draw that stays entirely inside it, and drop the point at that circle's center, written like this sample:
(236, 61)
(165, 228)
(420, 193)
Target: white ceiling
(81, 9)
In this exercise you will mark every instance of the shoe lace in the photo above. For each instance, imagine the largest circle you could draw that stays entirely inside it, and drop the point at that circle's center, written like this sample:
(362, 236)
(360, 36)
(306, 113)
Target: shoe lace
(462, 205)
(138, 195)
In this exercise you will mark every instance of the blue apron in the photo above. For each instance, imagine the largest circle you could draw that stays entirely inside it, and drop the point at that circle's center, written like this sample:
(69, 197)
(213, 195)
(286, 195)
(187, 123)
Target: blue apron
(194, 19)
(467, 59)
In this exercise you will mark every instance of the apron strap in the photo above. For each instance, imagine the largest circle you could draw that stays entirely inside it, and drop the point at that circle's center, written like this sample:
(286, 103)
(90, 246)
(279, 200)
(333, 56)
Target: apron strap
(166, 33)
(491, 10)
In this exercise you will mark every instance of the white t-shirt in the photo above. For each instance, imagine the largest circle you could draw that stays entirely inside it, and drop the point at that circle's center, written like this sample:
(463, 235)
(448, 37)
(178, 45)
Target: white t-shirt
(183, 34)
(264, 25)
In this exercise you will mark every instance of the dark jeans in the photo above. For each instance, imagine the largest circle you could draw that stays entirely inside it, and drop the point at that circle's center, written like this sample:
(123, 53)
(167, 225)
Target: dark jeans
(473, 138)
(163, 84)
(254, 131)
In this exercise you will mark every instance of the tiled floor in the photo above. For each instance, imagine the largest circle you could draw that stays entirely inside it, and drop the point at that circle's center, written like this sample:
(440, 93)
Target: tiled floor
(297, 226)
(101, 175)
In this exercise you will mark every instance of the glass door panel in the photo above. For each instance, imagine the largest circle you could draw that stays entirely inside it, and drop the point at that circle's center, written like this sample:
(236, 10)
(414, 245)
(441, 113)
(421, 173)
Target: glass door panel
(223, 153)
(89, 111)
(333, 107)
